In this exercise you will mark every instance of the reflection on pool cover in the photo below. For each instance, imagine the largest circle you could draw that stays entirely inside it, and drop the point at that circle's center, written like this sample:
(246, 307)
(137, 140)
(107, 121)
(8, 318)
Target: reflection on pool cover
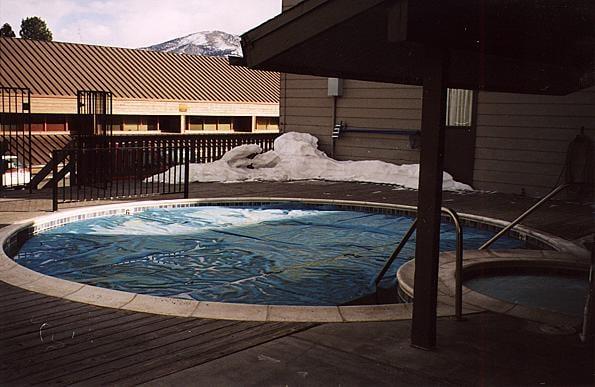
(277, 254)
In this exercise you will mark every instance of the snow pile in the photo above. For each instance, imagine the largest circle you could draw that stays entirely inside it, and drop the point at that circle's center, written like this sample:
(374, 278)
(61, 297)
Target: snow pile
(296, 157)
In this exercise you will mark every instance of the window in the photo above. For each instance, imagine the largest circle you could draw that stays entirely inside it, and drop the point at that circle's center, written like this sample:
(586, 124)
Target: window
(194, 123)
(459, 107)
(267, 123)
(209, 124)
(224, 124)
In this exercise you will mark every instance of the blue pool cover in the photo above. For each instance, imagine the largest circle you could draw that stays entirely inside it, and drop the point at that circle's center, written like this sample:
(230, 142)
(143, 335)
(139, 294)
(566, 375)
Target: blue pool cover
(282, 254)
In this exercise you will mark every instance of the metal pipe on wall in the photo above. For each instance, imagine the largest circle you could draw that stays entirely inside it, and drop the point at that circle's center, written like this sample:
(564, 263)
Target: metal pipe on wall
(334, 122)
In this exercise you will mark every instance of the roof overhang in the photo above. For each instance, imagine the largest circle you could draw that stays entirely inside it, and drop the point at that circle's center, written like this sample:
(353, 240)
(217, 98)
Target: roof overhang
(521, 46)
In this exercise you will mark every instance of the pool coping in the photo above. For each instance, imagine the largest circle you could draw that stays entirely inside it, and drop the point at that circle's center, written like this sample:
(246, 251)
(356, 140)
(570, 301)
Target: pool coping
(478, 260)
(20, 276)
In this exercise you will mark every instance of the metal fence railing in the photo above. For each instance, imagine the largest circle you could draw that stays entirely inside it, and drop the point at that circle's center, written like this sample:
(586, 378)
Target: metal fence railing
(203, 148)
(117, 173)
(15, 137)
(132, 166)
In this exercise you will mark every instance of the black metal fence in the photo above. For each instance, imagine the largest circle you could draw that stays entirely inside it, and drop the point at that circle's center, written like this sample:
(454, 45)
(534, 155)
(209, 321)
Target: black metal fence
(131, 166)
(117, 173)
(15, 139)
(203, 148)
(94, 113)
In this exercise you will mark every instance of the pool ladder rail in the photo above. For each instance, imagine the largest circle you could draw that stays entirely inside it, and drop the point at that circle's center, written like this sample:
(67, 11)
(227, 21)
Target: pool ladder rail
(524, 215)
(459, 258)
(459, 242)
(587, 330)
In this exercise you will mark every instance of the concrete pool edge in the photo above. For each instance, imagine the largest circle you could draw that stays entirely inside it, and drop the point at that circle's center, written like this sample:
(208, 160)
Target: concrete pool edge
(17, 275)
(476, 260)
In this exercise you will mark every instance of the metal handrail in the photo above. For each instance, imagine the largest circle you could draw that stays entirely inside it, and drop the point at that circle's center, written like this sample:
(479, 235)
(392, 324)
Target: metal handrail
(524, 215)
(458, 263)
(396, 252)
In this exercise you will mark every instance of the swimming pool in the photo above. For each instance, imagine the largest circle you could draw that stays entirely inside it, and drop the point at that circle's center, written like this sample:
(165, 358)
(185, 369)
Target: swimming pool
(291, 253)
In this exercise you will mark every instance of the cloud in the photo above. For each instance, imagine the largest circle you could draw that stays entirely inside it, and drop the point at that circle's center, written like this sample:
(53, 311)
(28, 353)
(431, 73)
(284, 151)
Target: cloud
(138, 23)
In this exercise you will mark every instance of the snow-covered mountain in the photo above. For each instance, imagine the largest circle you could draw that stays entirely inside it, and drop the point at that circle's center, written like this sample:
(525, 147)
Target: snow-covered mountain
(210, 43)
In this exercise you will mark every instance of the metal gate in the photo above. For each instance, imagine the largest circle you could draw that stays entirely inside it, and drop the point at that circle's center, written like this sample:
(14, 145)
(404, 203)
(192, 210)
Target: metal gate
(93, 129)
(94, 118)
(15, 143)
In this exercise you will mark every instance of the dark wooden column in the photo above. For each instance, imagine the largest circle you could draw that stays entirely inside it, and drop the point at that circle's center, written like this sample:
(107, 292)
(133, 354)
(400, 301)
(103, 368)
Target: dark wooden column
(423, 332)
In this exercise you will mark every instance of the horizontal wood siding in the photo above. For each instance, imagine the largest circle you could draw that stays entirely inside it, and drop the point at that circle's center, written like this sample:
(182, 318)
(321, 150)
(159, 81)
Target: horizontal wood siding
(378, 106)
(306, 107)
(522, 140)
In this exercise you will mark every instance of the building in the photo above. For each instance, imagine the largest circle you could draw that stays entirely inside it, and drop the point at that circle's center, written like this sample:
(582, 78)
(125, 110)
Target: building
(153, 92)
(452, 50)
(515, 143)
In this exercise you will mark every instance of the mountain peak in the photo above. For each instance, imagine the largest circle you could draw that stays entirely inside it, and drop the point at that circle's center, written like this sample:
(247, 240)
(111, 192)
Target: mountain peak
(209, 43)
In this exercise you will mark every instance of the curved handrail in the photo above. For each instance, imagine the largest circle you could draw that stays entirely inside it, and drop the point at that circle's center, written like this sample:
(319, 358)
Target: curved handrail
(459, 258)
(458, 262)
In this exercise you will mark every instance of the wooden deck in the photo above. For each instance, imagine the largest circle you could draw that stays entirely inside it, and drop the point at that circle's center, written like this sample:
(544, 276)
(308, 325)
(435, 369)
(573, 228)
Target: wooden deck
(45, 340)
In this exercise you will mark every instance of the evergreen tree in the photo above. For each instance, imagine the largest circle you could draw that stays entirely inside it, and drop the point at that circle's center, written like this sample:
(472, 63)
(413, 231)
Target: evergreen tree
(6, 31)
(36, 29)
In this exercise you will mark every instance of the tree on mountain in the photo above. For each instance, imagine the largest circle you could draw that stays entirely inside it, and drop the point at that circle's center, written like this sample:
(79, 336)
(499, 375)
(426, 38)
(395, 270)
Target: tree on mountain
(35, 28)
(6, 31)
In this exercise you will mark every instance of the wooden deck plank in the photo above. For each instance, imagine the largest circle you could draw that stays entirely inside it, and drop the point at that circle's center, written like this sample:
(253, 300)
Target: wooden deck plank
(39, 306)
(53, 324)
(220, 342)
(25, 314)
(51, 357)
(31, 303)
(84, 340)
(145, 347)
(59, 311)
(9, 301)
(36, 360)
(34, 303)
(100, 341)
(192, 357)
(104, 348)
(78, 328)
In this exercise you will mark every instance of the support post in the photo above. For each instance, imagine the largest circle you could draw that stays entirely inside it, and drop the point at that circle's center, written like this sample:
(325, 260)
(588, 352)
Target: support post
(186, 172)
(182, 124)
(253, 125)
(54, 180)
(423, 332)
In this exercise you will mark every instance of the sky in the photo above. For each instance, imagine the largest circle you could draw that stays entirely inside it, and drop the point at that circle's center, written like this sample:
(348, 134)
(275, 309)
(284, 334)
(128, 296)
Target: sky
(137, 23)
